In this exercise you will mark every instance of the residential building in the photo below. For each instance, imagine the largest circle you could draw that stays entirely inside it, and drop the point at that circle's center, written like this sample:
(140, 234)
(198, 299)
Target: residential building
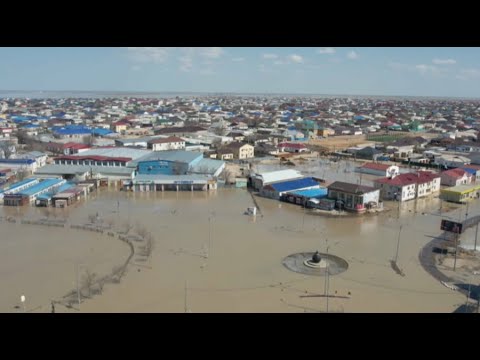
(460, 193)
(474, 170)
(239, 150)
(408, 186)
(169, 143)
(454, 177)
(378, 169)
(292, 147)
(354, 197)
(451, 161)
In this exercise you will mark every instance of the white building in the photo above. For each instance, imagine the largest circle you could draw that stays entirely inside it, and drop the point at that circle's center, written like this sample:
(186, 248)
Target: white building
(378, 169)
(265, 178)
(451, 161)
(170, 143)
(409, 186)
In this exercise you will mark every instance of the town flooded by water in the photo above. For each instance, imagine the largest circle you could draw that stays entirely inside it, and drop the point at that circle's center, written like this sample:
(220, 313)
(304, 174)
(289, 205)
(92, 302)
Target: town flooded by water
(209, 256)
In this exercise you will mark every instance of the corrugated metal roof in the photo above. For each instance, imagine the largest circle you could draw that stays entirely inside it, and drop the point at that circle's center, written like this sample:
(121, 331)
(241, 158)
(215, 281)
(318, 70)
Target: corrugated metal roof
(280, 175)
(20, 183)
(312, 193)
(294, 184)
(117, 152)
(181, 156)
(208, 166)
(55, 169)
(41, 186)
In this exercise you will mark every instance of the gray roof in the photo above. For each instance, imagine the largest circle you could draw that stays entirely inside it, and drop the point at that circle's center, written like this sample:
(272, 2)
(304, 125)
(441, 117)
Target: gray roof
(55, 169)
(171, 179)
(139, 140)
(209, 166)
(351, 188)
(182, 156)
(116, 152)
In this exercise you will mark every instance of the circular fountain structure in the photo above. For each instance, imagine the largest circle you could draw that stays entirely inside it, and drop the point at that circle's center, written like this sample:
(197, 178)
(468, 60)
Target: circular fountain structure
(316, 263)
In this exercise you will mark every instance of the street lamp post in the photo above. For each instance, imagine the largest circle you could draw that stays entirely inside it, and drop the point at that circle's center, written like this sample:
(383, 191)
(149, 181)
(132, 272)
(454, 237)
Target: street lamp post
(22, 299)
(398, 244)
(456, 250)
(77, 276)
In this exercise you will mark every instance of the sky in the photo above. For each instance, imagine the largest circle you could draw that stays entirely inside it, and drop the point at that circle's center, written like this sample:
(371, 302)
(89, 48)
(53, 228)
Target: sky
(420, 71)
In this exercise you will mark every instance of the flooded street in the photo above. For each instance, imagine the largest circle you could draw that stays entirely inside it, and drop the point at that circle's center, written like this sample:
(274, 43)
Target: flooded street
(232, 262)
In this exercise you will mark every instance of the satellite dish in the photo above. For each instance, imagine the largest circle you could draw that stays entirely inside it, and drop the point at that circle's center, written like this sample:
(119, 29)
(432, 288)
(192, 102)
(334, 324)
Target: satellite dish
(22, 298)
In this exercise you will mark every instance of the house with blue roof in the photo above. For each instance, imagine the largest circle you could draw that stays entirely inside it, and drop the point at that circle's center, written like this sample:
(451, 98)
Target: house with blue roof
(71, 131)
(103, 132)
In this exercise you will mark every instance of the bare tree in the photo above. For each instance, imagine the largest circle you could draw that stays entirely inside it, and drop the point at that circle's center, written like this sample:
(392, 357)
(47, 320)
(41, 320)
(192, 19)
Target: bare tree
(126, 226)
(220, 129)
(101, 283)
(7, 148)
(216, 142)
(149, 243)
(88, 281)
(117, 273)
(227, 175)
(110, 222)
(21, 174)
(88, 140)
(141, 230)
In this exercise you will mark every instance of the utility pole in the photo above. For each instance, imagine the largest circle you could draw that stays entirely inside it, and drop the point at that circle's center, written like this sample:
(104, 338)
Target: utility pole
(78, 284)
(398, 243)
(456, 250)
(209, 234)
(476, 235)
(328, 283)
(186, 302)
(303, 218)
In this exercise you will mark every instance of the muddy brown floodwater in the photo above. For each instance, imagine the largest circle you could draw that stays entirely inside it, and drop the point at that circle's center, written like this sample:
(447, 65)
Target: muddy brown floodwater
(243, 271)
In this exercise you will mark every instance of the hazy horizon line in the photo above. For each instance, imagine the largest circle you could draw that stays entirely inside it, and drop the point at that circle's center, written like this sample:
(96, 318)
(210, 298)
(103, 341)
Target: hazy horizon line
(234, 93)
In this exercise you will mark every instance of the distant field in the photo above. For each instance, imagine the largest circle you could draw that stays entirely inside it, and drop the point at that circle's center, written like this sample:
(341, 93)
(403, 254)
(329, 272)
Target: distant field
(385, 138)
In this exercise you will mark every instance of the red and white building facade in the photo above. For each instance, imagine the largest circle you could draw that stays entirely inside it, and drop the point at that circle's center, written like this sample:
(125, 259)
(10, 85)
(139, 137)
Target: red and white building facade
(379, 169)
(292, 147)
(409, 186)
(454, 177)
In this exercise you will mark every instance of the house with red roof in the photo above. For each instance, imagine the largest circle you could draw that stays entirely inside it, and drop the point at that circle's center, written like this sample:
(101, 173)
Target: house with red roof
(457, 176)
(292, 147)
(378, 169)
(68, 148)
(408, 186)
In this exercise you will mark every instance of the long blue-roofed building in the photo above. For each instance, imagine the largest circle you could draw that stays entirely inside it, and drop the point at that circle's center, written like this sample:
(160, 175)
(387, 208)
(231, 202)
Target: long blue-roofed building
(276, 190)
(30, 194)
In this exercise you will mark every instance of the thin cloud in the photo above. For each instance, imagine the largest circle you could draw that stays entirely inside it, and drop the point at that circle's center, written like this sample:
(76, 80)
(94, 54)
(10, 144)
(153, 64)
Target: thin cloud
(136, 68)
(238, 59)
(398, 66)
(211, 52)
(444, 61)
(327, 50)
(295, 58)
(186, 63)
(270, 56)
(423, 68)
(156, 55)
(352, 55)
(468, 74)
